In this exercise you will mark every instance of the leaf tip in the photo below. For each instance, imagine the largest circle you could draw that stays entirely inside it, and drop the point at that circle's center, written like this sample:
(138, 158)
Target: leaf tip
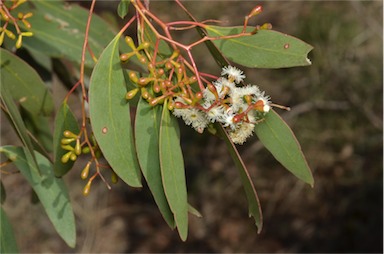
(258, 222)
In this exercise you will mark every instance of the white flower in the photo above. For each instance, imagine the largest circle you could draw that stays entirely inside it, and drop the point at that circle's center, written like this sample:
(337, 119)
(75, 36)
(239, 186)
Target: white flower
(227, 83)
(216, 114)
(233, 73)
(219, 88)
(238, 103)
(227, 121)
(248, 90)
(208, 96)
(240, 134)
(194, 117)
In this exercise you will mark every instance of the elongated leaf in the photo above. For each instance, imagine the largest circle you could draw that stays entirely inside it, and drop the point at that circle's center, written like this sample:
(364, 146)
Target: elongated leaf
(110, 115)
(172, 171)
(39, 128)
(65, 120)
(122, 8)
(18, 124)
(265, 49)
(250, 191)
(59, 29)
(147, 128)
(24, 84)
(279, 139)
(51, 191)
(7, 238)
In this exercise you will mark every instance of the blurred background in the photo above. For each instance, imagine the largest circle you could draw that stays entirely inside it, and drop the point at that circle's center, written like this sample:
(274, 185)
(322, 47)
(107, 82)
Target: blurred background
(337, 110)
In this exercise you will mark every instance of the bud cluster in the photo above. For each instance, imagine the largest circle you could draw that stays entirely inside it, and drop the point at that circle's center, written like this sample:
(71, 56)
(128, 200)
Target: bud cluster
(237, 108)
(6, 16)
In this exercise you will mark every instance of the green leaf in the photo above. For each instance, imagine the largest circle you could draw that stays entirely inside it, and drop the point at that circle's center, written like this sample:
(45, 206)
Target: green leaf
(194, 211)
(250, 191)
(24, 84)
(172, 171)
(3, 194)
(279, 139)
(122, 8)
(65, 120)
(8, 242)
(265, 49)
(59, 30)
(39, 128)
(51, 191)
(110, 115)
(147, 128)
(18, 124)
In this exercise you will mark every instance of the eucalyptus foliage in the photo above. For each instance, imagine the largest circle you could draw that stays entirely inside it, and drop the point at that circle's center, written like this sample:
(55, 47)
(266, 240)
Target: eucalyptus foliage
(149, 83)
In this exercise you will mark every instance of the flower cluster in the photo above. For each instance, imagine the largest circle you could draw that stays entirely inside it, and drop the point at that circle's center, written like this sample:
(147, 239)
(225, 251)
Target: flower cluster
(238, 108)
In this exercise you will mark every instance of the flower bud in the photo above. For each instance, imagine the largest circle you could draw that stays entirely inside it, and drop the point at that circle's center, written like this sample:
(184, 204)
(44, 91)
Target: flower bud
(124, 57)
(168, 65)
(28, 34)
(171, 105)
(131, 94)
(156, 88)
(85, 150)
(66, 141)
(2, 38)
(157, 100)
(10, 34)
(143, 45)
(73, 156)
(160, 72)
(133, 77)
(87, 188)
(257, 10)
(199, 95)
(142, 59)
(85, 171)
(97, 153)
(143, 81)
(3, 14)
(179, 73)
(28, 15)
(192, 80)
(78, 147)
(237, 118)
(69, 134)
(27, 25)
(67, 147)
(114, 177)
(20, 2)
(144, 93)
(130, 43)
(19, 41)
(65, 157)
